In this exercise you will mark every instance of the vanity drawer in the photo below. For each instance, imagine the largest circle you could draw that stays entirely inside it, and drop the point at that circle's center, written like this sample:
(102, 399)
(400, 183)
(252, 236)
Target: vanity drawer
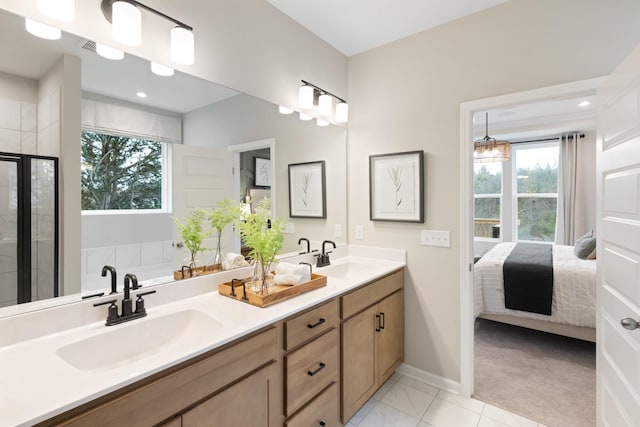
(310, 369)
(371, 293)
(310, 324)
(323, 409)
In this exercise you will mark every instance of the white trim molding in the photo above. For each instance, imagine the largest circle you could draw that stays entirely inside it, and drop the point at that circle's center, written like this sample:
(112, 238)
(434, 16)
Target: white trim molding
(467, 109)
(429, 378)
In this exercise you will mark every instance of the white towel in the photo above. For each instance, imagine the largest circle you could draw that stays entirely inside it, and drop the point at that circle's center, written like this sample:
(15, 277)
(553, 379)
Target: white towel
(291, 274)
(233, 260)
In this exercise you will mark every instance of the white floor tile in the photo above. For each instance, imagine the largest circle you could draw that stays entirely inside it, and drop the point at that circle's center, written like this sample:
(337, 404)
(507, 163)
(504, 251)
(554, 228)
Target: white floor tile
(489, 422)
(418, 384)
(362, 412)
(383, 390)
(386, 416)
(467, 403)
(409, 400)
(507, 417)
(445, 414)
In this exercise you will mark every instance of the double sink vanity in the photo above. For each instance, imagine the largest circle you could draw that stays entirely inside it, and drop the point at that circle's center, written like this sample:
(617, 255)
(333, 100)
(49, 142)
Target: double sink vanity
(199, 358)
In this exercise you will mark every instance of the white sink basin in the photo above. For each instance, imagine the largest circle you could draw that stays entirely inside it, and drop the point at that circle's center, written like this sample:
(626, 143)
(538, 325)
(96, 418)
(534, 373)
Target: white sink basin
(129, 342)
(346, 269)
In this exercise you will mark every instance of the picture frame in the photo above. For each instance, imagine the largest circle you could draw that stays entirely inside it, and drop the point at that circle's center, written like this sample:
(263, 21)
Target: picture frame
(307, 190)
(262, 172)
(396, 187)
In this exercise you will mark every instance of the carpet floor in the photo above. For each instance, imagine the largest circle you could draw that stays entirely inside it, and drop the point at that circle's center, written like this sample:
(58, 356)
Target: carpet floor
(545, 377)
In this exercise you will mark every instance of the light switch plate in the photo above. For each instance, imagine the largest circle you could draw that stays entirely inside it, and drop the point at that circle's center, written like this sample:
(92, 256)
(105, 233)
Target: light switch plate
(436, 238)
(337, 230)
(359, 232)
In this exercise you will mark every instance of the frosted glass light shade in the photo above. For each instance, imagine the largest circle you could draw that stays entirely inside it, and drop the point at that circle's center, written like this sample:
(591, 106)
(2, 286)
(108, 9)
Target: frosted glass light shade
(182, 46)
(321, 122)
(305, 97)
(284, 110)
(109, 52)
(126, 23)
(41, 30)
(342, 112)
(325, 106)
(161, 70)
(62, 10)
(305, 117)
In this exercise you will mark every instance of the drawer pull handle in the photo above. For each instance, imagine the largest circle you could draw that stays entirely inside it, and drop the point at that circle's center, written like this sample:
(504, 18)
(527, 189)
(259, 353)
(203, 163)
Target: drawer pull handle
(318, 323)
(320, 368)
(322, 423)
(381, 320)
(377, 323)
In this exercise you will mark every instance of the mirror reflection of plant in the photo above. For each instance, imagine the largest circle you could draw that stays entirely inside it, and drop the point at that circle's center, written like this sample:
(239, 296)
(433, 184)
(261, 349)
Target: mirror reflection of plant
(193, 233)
(263, 235)
(223, 213)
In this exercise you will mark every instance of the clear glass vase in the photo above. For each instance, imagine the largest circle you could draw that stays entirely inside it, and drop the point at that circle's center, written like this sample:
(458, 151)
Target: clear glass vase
(217, 256)
(262, 279)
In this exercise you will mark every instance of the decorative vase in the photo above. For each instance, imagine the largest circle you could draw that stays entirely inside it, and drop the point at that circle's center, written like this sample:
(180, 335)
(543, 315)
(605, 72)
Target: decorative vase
(262, 278)
(217, 256)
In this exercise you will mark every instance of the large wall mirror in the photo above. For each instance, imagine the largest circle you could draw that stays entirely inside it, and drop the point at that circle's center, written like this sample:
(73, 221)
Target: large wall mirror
(210, 137)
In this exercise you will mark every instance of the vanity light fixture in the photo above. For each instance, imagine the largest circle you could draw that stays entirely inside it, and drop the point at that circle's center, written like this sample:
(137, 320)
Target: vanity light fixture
(161, 70)
(126, 19)
(41, 30)
(284, 110)
(584, 103)
(305, 117)
(310, 95)
(487, 149)
(322, 123)
(62, 10)
(109, 52)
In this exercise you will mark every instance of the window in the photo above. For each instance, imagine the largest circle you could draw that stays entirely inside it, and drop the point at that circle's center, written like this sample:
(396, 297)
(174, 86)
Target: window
(536, 174)
(122, 173)
(517, 199)
(487, 187)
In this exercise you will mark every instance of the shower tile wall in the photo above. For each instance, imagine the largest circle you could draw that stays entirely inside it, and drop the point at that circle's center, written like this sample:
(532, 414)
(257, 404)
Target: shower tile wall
(8, 242)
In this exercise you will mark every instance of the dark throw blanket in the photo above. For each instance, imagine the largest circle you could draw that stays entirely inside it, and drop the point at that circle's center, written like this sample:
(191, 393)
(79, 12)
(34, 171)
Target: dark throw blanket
(528, 278)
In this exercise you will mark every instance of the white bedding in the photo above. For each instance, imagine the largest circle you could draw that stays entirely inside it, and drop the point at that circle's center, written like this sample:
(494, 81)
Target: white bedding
(574, 287)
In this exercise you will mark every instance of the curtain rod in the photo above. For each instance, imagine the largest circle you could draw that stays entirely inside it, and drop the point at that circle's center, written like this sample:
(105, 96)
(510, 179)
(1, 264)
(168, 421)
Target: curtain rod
(545, 139)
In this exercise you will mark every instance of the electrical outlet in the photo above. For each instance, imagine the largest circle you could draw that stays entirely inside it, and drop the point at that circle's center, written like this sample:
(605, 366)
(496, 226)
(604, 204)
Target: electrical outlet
(436, 238)
(289, 228)
(337, 230)
(359, 232)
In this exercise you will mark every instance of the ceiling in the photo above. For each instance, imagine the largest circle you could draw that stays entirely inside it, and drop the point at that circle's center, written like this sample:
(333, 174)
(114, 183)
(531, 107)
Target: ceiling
(355, 26)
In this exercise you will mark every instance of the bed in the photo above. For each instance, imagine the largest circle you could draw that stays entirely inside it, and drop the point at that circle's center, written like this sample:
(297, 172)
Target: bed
(573, 311)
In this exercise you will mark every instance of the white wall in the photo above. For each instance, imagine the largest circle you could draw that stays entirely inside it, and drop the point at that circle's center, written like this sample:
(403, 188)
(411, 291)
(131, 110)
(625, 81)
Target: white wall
(243, 119)
(406, 96)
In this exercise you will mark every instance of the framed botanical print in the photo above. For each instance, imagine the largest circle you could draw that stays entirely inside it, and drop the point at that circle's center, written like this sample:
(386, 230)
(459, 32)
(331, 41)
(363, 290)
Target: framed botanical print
(307, 192)
(262, 172)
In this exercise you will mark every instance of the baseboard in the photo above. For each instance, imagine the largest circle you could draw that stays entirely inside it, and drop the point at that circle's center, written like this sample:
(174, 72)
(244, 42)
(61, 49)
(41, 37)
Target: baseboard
(429, 378)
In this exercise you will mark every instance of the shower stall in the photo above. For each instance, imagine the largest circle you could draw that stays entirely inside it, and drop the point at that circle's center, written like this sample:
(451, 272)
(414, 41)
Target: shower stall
(28, 228)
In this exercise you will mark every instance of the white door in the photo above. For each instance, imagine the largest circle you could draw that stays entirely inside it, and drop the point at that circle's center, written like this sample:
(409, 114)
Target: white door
(618, 251)
(201, 177)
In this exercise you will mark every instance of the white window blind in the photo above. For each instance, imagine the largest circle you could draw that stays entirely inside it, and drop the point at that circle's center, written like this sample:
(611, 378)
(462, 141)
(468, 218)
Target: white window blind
(118, 120)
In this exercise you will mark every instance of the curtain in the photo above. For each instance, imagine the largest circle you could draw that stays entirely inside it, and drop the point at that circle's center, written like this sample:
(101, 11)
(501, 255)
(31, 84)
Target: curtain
(570, 216)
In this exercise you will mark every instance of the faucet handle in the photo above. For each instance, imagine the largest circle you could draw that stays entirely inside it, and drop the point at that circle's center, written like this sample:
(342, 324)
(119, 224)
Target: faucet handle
(112, 313)
(140, 302)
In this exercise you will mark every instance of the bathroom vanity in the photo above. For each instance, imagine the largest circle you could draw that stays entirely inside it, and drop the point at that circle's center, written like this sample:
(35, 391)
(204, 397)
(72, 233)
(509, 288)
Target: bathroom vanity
(209, 360)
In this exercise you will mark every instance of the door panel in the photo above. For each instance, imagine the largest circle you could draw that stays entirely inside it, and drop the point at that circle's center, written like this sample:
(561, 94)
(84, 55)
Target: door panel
(391, 338)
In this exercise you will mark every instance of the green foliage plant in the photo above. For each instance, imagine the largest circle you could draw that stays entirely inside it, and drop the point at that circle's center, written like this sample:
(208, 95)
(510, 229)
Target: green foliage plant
(264, 236)
(223, 213)
(193, 233)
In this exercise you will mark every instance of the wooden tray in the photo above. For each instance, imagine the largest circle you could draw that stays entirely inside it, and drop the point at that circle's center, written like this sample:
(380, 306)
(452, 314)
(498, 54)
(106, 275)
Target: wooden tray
(276, 294)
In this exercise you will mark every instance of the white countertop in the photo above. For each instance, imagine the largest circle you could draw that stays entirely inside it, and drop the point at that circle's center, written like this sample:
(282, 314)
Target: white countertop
(37, 384)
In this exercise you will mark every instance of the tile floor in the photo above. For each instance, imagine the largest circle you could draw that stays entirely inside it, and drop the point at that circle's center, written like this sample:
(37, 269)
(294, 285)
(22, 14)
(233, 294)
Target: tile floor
(405, 402)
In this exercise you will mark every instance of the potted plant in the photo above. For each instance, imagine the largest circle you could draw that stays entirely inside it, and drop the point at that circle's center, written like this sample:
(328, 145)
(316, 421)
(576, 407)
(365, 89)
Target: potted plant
(193, 234)
(263, 235)
(224, 212)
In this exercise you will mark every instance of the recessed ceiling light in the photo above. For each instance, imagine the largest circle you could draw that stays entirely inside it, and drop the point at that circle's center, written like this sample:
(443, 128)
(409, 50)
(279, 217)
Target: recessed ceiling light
(141, 94)
(584, 104)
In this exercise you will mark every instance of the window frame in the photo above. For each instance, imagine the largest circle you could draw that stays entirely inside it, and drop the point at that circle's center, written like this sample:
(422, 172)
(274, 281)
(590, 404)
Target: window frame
(166, 182)
(501, 198)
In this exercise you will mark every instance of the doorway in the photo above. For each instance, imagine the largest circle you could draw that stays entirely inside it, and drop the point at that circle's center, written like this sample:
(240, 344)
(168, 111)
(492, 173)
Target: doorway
(467, 111)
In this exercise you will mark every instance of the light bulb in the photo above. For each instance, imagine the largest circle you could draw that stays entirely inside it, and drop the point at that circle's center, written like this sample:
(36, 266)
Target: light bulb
(325, 105)
(182, 46)
(62, 10)
(161, 70)
(305, 97)
(126, 23)
(41, 30)
(109, 52)
(305, 117)
(321, 122)
(342, 112)
(284, 110)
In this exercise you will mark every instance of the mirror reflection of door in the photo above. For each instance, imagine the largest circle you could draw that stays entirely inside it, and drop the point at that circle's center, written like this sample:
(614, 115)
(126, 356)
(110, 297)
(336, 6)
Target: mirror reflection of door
(28, 228)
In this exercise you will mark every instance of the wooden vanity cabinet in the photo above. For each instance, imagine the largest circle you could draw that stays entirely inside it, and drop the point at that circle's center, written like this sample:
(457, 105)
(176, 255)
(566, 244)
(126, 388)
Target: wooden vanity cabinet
(372, 339)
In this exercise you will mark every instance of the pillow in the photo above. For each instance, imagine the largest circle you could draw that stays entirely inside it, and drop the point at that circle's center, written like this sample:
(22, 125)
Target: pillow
(585, 248)
(586, 236)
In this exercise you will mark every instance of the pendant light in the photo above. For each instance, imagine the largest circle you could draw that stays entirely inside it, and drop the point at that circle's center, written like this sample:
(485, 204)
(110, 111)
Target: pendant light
(161, 70)
(126, 23)
(182, 45)
(62, 10)
(342, 112)
(109, 52)
(324, 105)
(487, 149)
(305, 96)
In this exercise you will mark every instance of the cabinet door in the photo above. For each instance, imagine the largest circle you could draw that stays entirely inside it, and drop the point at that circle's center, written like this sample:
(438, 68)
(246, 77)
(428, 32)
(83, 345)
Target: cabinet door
(358, 361)
(390, 345)
(249, 403)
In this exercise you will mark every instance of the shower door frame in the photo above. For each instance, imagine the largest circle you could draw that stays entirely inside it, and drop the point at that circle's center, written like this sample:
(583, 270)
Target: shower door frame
(24, 243)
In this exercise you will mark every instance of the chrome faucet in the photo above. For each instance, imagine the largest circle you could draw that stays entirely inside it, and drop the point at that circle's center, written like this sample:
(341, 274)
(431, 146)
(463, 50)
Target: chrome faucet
(304, 239)
(323, 258)
(111, 270)
(126, 313)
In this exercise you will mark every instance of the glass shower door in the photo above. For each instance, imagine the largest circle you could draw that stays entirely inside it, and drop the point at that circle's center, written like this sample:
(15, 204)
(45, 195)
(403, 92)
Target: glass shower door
(9, 173)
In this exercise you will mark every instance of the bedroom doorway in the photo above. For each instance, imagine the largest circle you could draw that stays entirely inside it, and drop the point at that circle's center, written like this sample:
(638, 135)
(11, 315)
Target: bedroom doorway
(468, 133)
